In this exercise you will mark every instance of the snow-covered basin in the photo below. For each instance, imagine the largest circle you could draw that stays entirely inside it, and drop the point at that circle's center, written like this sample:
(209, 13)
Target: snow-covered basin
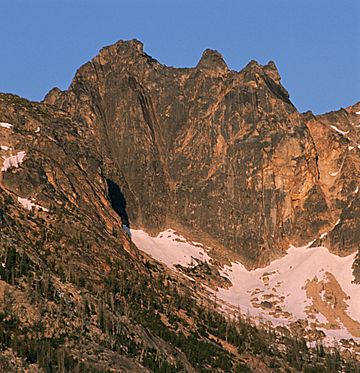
(284, 279)
(289, 275)
(169, 248)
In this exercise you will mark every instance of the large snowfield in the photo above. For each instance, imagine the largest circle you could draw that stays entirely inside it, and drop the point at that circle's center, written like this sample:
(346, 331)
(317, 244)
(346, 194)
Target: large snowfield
(169, 247)
(283, 292)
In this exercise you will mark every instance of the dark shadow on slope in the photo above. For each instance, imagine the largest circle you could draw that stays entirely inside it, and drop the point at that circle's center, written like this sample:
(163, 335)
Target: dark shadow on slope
(118, 203)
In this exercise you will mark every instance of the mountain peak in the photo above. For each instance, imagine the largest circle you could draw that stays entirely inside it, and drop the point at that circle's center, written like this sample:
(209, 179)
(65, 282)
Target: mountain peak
(211, 172)
(212, 60)
(127, 48)
(133, 45)
(271, 69)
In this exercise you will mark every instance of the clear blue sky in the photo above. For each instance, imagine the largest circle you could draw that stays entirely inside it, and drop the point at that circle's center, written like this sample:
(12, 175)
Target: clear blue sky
(315, 43)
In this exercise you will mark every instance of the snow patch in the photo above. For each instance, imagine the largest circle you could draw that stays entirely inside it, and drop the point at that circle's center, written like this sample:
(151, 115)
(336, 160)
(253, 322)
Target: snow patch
(28, 205)
(334, 335)
(322, 295)
(13, 161)
(5, 125)
(323, 235)
(5, 147)
(321, 319)
(337, 222)
(338, 130)
(37, 130)
(169, 247)
(358, 112)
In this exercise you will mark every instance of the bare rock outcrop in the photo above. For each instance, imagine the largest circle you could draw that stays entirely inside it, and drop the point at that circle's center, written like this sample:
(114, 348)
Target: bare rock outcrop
(219, 152)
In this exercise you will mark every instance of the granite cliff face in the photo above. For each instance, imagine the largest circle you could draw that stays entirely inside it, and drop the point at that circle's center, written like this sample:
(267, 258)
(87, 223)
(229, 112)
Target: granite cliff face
(76, 295)
(221, 156)
(217, 153)
(337, 137)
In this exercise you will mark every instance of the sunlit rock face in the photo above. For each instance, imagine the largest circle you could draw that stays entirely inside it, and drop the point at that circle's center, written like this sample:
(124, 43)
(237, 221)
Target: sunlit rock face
(221, 166)
(219, 152)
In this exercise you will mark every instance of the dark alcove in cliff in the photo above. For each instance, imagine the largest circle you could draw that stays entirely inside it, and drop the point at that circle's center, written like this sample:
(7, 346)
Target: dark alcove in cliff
(118, 201)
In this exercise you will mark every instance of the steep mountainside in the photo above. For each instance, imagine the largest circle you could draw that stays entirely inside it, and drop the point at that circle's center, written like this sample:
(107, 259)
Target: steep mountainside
(77, 296)
(218, 154)
(337, 139)
(221, 156)
(75, 293)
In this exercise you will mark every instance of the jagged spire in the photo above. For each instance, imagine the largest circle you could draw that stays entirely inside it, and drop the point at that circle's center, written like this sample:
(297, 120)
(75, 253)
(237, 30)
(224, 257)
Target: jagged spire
(272, 71)
(212, 60)
(132, 44)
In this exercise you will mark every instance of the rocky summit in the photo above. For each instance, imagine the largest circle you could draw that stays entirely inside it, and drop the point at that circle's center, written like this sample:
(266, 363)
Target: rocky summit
(218, 153)
(235, 199)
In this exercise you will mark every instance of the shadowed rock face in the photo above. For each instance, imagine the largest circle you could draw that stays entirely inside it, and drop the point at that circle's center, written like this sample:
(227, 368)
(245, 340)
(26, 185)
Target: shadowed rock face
(219, 152)
(118, 202)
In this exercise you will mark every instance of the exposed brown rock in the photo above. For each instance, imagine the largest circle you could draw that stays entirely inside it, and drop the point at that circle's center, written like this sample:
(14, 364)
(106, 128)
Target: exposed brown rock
(330, 300)
(221, 153)
(217, 151)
